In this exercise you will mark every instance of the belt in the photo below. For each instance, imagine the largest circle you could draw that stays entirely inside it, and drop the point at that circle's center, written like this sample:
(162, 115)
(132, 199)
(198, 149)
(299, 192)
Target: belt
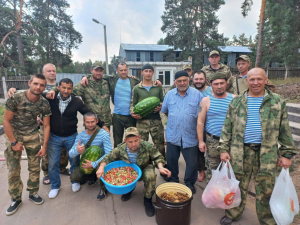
(213, 136)
(253, 146)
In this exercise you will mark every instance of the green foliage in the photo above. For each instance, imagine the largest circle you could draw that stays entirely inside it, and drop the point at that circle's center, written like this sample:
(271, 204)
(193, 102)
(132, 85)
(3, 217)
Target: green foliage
(161, 41)
(2, 109)
(241, 40)
(246, 7)
(192, 26)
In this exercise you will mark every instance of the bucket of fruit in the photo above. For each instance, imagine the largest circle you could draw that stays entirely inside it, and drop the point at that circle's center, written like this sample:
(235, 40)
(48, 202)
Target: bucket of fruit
(121, 177)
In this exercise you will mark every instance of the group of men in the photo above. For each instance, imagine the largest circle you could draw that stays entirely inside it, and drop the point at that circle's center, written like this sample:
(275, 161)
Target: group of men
(212, 117)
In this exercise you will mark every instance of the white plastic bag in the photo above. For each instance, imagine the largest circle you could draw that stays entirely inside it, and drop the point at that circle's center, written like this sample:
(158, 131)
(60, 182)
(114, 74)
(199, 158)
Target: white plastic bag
(284, 201)
(223, 190)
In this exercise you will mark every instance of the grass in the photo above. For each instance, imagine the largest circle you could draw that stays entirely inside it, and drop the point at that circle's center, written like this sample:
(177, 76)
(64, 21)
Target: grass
(2, 109)
(289, 80)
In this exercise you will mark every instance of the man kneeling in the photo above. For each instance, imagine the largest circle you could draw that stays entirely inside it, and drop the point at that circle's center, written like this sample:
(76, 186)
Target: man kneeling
(93, 135)
(142, 153)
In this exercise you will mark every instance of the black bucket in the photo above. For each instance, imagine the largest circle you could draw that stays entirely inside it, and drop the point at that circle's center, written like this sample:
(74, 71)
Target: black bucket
(173, 213)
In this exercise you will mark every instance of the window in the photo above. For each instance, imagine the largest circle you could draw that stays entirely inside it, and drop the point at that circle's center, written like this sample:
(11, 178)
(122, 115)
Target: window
(138, 56)
(151, 57)
(164, 77)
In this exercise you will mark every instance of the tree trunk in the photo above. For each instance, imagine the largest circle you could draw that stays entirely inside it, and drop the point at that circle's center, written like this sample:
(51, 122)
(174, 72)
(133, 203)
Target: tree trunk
(260, 33)
(20, 49)
(286, 71)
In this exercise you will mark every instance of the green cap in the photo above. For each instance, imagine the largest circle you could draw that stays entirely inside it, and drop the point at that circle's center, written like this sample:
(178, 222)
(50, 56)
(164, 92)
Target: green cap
(243, 57)
(97, 65)
(218, 75)
(131, 131)
(187, 66)
(214, 52)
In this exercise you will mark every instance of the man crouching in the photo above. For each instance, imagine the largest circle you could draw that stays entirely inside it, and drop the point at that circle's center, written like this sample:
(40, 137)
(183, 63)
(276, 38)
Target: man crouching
(142, 153)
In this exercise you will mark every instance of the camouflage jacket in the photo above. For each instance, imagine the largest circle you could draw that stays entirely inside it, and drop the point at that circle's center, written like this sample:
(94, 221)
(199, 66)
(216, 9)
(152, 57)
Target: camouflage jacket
(275, 129)
(139, 93)
(146, 155)
(26, 112)
(96, 96)
(112, 82)
(210, 71)
(242, 86)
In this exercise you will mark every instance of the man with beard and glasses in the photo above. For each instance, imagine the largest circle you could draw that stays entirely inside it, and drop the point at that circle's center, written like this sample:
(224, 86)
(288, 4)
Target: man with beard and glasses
(181, 106)
(143, 154)
(63, 131)
(82, 142)
(21, 132)
(212, 112)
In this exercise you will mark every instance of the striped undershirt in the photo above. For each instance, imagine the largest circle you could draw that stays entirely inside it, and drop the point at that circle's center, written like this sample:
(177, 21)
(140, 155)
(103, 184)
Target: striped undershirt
(132, 156)
(216, 114)
(253, 126)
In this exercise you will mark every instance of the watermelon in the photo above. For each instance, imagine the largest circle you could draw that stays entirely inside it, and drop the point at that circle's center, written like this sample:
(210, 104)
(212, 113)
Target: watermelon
(146, 106)
(92, 153)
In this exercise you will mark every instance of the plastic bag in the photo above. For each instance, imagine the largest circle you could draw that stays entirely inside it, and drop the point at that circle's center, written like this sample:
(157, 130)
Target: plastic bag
(223, 190)
(284, 201)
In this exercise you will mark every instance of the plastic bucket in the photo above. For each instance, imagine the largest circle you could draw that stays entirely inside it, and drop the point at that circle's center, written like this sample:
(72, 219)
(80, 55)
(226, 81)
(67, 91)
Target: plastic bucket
(173, 213)
(120, 190)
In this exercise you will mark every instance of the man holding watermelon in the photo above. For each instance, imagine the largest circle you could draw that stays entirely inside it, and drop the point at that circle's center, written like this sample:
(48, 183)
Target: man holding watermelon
(90, 144)
(150, 122)
(143, 154)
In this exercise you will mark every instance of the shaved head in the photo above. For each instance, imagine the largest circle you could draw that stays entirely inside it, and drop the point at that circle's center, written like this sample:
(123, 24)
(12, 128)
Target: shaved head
(257, 70)
(256, 81)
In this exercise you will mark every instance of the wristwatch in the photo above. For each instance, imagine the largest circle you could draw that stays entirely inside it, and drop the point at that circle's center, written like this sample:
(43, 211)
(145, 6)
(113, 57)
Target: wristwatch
(14, 143)
(288, 156)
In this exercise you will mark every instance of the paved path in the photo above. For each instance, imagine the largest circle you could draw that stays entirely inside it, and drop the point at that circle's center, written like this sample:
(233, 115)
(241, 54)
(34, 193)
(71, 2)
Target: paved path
(83, 208)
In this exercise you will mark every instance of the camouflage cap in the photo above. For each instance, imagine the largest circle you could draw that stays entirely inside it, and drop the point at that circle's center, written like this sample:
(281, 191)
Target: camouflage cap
(214, 52)
(131, 131)
(97, 65)
(187, 66)
(243, 57)
(218, 75)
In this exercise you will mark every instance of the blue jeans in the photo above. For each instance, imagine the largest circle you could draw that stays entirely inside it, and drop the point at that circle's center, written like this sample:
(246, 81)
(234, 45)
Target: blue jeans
(55, 145)
(190, 157)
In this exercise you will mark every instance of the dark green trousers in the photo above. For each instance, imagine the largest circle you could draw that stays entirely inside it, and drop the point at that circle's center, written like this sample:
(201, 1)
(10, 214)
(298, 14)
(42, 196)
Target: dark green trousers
(120, 123)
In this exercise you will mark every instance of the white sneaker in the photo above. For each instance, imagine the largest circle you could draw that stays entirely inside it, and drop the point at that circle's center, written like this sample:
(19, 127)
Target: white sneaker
(75, 187)
(53, 193)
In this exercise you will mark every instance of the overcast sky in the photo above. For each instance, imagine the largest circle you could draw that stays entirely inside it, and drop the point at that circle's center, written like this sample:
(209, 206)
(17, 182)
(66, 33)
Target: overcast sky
(139, 22)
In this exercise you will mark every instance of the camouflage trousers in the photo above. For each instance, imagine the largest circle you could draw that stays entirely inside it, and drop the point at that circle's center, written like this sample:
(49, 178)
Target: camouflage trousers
(120, 123)
(156, 130)
(149, 179)
(13, 158)
(79, 176)
(212, 156)
(263, 187)
(64, 160)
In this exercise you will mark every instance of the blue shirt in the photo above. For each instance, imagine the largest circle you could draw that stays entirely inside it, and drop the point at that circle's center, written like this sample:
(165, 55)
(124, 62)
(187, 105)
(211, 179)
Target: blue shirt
(182, 116)
(207, 91)
(216, 114)
(253, 126)
(122, 97)
(147, 87)
(102, 140)
(132, 156)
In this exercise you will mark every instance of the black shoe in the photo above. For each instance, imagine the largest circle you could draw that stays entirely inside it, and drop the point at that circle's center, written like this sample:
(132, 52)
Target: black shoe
(36, 199)
(225, 221)
(192, 187)
(92, 182)
(102, 195)
(13, 207)
(149, 209)
(126, 197)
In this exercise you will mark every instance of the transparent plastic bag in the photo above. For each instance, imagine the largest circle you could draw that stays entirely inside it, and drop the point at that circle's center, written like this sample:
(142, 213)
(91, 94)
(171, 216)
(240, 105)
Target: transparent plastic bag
(284, 201)
(223, 190)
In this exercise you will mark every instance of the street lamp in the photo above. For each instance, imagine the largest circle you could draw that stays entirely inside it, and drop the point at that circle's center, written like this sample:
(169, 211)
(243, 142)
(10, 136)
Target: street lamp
(106, 57)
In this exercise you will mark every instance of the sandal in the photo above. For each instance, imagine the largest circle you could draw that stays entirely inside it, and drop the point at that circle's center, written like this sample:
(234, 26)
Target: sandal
(46, 180)
(66, 172)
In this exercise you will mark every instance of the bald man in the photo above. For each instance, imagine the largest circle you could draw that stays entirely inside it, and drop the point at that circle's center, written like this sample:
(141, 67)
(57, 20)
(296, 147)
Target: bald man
(256, 122)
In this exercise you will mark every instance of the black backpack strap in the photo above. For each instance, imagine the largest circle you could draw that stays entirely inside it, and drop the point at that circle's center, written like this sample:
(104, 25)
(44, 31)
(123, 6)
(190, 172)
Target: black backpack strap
(92, 137)
(237, 84)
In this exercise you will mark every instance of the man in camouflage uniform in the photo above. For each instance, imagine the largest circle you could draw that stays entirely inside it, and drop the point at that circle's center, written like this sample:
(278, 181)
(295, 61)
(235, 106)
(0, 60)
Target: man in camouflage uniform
(150, 124)
(237, 84)
(259, 157)
(49, 71)
(143, 154)
(21, 130)
(215, 66)
(212, 111)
